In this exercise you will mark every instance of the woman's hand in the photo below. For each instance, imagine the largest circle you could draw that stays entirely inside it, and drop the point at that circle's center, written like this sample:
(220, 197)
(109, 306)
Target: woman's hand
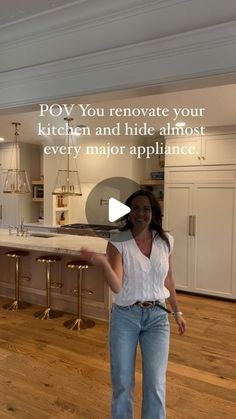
(112, 272)
(181, 323)
(94, 258)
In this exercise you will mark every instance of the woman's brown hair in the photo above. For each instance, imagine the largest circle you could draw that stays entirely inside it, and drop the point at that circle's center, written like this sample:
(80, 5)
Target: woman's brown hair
(156, 222)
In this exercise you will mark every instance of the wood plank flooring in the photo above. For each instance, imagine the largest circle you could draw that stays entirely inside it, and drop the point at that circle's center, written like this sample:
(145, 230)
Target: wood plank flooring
(47, 371)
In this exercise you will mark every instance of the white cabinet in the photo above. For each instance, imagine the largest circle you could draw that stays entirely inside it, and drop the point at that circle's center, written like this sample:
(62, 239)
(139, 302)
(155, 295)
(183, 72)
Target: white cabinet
(178, 201)
(214, 239)
(202, 219)
(14, 206)
(9, 206)
(219, 149)
(190, 151)
(210, 149)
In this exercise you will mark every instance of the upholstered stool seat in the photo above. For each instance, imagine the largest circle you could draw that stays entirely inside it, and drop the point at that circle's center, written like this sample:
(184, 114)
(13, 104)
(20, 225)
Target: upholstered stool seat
(79, 322)
(16, 255)
(48, 312)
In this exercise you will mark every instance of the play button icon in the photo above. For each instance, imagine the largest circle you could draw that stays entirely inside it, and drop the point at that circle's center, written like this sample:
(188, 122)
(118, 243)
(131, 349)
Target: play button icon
(116, 209)
(103, 204)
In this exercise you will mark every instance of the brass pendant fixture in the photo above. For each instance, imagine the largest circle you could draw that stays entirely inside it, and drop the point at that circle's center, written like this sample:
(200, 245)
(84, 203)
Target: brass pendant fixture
(17, 180)
(67, 181)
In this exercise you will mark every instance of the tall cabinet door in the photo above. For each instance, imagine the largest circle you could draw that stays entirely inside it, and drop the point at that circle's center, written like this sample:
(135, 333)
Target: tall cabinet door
(9, 206)
(214, 236)
(8, 202)
(177, 220)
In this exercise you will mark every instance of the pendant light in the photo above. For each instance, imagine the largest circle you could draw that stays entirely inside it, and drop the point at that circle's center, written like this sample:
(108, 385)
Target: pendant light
(67, 181)
(17, 180)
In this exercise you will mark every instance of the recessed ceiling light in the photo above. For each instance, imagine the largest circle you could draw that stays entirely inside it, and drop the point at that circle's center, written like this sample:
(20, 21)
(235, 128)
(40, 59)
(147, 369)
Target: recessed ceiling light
(2, 139)
(180, 124)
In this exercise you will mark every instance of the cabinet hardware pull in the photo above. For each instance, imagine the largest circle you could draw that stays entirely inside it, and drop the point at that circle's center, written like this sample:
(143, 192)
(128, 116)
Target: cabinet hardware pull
(199, 158)
(190, 225)
(203, 158)
(194, 226)
(0, 212)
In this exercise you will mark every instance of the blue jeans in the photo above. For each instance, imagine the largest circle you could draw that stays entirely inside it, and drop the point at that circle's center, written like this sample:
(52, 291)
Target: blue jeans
(150, 327)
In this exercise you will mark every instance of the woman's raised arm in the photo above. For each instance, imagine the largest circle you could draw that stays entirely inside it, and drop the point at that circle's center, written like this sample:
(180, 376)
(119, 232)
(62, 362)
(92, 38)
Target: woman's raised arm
(111, 264)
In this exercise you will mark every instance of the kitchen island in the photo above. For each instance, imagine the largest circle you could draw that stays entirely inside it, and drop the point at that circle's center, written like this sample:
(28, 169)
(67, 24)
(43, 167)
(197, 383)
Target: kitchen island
(33, 273)
(52, 242)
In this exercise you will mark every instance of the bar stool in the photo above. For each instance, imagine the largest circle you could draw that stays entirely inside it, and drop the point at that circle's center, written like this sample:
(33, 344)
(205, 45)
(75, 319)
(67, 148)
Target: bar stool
(79, 322)
(16, 256)
(48, 312)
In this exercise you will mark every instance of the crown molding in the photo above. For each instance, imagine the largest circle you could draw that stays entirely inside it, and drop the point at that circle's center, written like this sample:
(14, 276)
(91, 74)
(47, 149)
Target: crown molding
(62, 35)
(199, 53)
(83, 28)
(200, 40)
(77, 16)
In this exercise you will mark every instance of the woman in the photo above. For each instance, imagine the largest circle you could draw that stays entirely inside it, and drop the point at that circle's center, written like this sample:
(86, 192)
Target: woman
(138, 270)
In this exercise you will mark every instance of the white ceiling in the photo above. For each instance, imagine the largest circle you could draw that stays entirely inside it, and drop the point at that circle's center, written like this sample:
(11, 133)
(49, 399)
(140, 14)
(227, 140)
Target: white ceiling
(14, 10)
(219, 102)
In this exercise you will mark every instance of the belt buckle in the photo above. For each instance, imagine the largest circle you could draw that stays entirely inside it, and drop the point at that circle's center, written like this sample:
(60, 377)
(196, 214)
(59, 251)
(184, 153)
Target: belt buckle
(146, 304)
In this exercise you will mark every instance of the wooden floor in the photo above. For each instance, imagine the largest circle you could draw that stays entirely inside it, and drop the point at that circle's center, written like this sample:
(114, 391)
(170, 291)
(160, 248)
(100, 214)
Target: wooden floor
(47, 371)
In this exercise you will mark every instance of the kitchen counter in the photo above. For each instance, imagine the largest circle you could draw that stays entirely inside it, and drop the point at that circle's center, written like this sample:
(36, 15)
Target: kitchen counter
(58, 243)
(96, 305)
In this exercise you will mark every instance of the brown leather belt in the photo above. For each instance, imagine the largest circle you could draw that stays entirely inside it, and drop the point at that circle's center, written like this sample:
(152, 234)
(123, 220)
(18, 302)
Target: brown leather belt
(149, 304)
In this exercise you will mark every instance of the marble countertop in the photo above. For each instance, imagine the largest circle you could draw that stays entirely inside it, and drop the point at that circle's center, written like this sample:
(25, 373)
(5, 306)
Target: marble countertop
(58, 243)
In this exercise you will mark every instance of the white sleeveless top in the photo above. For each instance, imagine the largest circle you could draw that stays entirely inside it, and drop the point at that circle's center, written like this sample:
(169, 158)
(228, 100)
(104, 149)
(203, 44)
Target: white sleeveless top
(143, 277)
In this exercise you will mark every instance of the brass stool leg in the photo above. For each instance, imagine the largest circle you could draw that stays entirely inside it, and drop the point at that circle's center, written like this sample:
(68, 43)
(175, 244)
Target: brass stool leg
(48, 313)
(16, 304)
(79, 322)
